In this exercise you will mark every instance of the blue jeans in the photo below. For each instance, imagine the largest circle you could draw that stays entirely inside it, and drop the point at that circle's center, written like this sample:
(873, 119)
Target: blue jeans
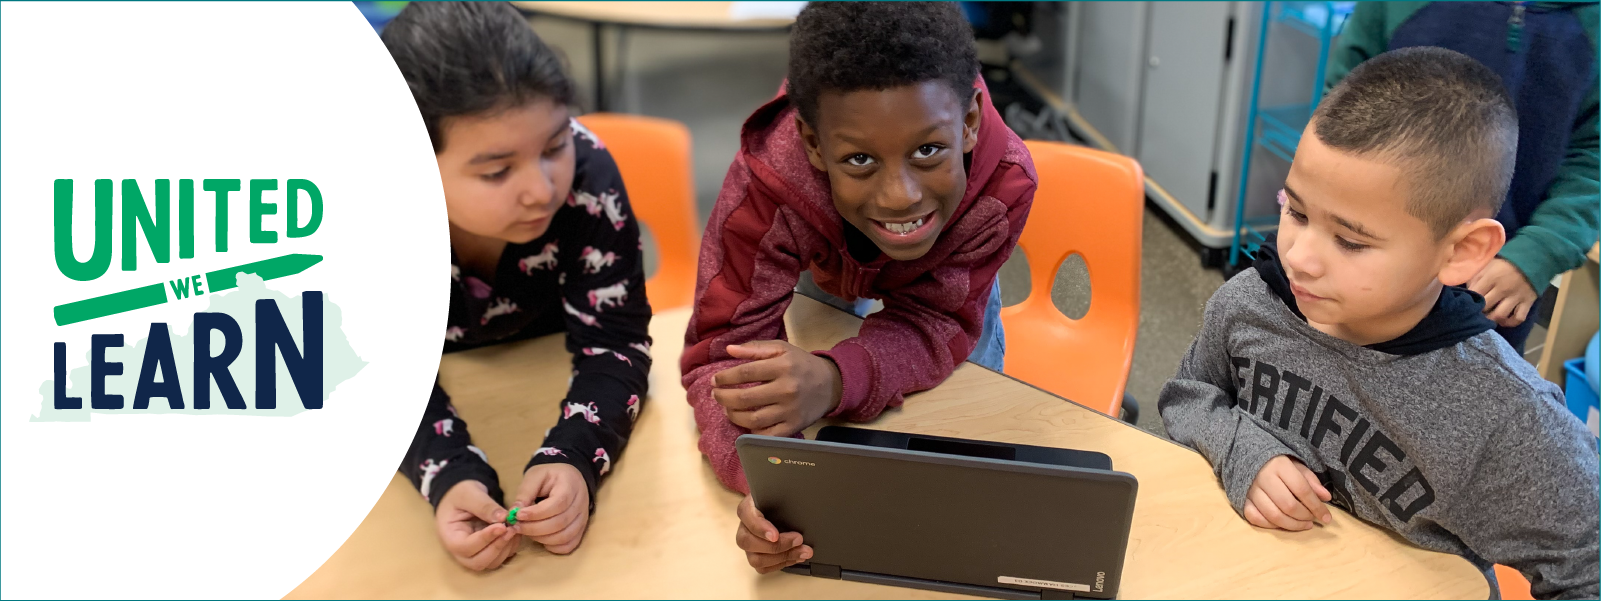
(990, 351)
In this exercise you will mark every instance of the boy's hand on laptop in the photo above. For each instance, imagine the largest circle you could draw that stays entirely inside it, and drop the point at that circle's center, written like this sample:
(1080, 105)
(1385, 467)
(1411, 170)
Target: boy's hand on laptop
(1286, 495)
(472, 527)
(1507, 293)
(793, 388)
(765, 548)
(558, 520)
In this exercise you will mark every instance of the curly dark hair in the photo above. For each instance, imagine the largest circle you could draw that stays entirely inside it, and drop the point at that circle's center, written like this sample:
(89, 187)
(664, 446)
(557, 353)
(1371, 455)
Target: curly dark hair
(466, 58)
(850, 46)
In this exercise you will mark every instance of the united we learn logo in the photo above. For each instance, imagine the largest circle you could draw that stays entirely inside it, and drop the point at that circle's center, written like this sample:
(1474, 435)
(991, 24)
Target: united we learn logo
(228, 362)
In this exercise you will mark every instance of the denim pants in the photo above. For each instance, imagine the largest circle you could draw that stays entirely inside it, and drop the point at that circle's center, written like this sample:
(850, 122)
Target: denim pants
(990, 351)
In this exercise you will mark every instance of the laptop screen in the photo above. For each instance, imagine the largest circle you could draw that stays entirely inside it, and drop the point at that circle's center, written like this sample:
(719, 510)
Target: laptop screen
(967, 449)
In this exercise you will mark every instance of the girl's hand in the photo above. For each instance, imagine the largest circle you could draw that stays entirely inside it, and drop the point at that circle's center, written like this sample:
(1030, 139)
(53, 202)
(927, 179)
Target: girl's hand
(561, 515)
(472, 527)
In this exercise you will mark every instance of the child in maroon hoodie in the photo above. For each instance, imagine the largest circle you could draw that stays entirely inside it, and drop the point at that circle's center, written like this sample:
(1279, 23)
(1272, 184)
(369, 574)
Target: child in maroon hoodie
(885, 171)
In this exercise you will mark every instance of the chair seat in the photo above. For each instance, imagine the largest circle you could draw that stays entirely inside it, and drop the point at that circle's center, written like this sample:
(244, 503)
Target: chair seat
(1086, 364)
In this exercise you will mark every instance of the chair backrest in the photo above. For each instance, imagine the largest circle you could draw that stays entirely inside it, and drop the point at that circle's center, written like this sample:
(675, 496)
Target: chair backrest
(1089, 203)
(653, 156)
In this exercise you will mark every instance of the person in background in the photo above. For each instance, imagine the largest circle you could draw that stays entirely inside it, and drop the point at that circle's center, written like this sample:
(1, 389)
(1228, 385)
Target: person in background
(542, 241)
(1545, 54)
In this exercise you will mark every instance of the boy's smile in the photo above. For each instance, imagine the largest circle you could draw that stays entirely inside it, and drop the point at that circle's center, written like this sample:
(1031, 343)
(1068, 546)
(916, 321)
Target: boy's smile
(894, 160)
(907, 232)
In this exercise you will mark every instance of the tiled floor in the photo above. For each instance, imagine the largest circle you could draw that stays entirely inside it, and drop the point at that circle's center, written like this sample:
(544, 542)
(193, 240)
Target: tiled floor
(712, 81)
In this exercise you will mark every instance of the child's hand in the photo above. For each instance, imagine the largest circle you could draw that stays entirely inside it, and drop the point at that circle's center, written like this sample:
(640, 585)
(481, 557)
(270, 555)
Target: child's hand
(1507, 293)
(796, 388)
(1286, 495)
(472, 527)
(765, 548)
(559, 520)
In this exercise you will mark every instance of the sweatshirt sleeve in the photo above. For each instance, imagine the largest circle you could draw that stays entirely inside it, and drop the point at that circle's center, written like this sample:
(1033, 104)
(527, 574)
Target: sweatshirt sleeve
(1198, 407)
(1563, 228)
(1361, 38)
(602, 285)
(929, 327)
(1366, 34)
(442, 454)
(1530, 502)
(749, 263)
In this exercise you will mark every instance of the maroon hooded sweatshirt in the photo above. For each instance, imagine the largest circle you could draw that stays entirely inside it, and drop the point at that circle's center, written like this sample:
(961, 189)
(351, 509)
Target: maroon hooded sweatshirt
(775, 218)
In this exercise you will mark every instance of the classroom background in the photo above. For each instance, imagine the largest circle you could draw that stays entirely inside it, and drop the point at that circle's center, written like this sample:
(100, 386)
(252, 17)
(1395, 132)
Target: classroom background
(1208, 97)
(1205, 99)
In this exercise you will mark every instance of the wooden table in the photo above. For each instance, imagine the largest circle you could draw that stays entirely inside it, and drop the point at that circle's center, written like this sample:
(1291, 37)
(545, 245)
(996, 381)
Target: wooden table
(1574, 319)
(664, 527)
(671, 15)
(688, 16)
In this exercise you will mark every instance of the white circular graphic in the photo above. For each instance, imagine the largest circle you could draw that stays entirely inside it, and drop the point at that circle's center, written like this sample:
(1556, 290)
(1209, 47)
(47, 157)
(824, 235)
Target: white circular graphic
(175, 100)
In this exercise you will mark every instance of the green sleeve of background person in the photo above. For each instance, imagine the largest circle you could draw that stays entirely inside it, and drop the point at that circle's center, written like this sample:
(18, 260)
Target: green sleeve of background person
(1564, 226)
(1366, 34)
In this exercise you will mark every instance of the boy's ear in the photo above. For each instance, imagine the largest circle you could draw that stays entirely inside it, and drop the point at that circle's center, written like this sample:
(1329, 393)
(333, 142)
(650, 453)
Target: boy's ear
(1472, 246)
(814, 152)
(970, 121)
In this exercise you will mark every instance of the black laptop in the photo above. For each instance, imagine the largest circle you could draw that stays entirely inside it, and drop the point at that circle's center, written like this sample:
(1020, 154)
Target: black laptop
(947, 514)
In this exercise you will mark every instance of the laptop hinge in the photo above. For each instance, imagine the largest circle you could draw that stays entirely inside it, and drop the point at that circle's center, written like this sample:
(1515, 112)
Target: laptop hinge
(1051, 593)
(823, 570)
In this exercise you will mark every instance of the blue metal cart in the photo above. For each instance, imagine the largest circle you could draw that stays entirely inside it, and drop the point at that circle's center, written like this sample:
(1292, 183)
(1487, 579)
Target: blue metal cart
(1277, 129)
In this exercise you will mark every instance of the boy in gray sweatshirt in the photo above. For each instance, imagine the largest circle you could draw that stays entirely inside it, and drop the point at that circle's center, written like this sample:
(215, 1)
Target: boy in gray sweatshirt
(1349, 368)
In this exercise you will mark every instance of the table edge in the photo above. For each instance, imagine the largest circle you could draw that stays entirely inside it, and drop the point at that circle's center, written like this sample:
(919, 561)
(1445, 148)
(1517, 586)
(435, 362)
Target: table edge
(747, 26)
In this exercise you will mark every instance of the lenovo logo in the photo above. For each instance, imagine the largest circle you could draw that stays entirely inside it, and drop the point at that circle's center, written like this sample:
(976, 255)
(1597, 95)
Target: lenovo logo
(1100, 582)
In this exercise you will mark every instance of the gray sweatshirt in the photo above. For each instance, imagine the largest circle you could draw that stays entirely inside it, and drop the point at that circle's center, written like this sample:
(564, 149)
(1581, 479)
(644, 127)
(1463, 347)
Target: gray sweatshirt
(1462, 449)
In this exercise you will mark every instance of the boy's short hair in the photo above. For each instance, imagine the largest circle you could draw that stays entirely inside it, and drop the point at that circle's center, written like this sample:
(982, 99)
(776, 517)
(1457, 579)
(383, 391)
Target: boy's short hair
(850, 46)
(1444, 117)
(466, 58)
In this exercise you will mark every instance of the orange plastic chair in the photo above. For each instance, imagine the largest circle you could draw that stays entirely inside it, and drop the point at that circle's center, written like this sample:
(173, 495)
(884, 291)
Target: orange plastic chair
(1091, 203)
(1513, 585)
(653, 156)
